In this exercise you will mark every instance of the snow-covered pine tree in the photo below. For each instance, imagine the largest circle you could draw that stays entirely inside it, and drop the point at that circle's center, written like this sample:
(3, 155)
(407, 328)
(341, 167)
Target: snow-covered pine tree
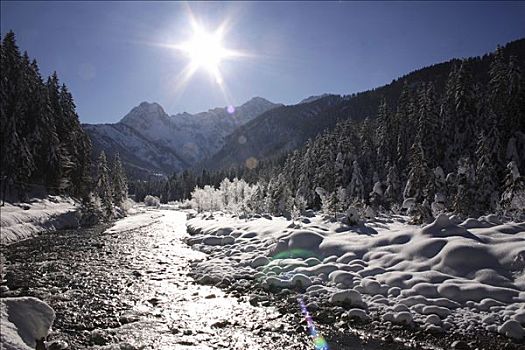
(256, 200)
(103, 186)
(306, 169)
(356, 188)
(419, 174)
(385, 138)
(513, 196)
(406, 132)
(465, 112)
(393, 186)
(486, 175)
(368, 155)
(76, 143)
(119, 182)
(60, 177)
(448, 120)
(17, 160)
(428, 125)
(465, 197)
(498, 85)
(515, 117)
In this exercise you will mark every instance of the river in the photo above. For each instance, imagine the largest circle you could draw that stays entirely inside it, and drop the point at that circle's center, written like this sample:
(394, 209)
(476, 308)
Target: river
(129, 288)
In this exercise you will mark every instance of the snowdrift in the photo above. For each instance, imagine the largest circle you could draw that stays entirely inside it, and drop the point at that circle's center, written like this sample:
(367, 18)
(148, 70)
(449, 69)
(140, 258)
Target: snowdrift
(27, 220)
(442, 276)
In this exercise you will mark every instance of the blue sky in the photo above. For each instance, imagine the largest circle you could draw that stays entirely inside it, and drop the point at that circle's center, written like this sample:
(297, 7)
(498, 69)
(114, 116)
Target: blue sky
(107, 52)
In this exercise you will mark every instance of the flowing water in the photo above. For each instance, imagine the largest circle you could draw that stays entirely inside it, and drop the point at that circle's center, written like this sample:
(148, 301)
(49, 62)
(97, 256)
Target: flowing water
(130, 289)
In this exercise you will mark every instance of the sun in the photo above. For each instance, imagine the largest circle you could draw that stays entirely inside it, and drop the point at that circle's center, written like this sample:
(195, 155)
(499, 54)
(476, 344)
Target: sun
(205, 50)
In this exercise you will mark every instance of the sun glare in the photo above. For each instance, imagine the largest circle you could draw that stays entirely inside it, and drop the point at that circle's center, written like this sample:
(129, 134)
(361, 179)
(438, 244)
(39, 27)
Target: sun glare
(205, 50)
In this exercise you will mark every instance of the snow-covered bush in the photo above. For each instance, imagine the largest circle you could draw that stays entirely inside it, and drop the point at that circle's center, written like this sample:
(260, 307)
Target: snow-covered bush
(235, 196)
(152, 201)
(206, 199)
(352, 215)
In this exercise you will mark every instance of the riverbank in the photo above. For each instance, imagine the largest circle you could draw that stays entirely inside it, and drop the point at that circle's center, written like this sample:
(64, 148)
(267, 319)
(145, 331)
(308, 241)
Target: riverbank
(19, 221)
(448, 284)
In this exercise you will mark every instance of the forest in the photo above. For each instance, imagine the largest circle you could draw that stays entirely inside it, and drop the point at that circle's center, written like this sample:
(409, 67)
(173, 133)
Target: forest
(44, 148)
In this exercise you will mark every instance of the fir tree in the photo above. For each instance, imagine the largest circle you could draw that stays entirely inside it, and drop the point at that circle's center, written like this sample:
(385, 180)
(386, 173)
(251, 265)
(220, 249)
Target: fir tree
(393, 186)
(464, 200)
(466, 124)
(103, 186)
(356, 189)
(486, 176)
(513, 196)
(428, 125)
(418, 176)
(119, 182)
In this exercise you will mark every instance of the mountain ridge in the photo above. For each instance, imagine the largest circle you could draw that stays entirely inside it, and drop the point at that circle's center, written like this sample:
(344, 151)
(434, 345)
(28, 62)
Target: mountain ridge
(147, 137)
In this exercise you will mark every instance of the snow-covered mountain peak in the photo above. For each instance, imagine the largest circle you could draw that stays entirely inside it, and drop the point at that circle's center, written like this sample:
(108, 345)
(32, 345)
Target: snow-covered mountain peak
(257, 102)
(144, 113)
(171, 143)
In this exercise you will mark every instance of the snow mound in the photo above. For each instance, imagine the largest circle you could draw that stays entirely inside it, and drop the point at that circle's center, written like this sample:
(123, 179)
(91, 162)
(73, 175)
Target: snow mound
(408, 274)
(347, 297)
(24, 321)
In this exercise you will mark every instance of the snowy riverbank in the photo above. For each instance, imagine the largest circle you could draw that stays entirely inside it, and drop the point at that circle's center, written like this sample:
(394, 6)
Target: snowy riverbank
(447, 277)
(25, 220)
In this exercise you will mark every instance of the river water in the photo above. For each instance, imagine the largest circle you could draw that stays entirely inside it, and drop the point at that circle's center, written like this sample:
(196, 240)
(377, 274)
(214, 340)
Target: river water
(130, 288)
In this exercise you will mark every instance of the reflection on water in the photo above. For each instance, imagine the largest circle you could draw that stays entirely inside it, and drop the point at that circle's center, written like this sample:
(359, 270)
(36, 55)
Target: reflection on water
(131, 290)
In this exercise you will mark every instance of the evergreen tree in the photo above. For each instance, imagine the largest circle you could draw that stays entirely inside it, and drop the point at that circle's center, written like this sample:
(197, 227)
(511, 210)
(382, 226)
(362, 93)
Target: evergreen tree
(419, 175)
(513, 196)
(393, 186)
(486, 176)
(405, 117)
(448, 123)
(356, 189)
(59, 176)
(465, 113)
(385, 136)
(103, 186)
(119, 182)
(428, 125)
(464, 200)
(17, 160)
(515, 117)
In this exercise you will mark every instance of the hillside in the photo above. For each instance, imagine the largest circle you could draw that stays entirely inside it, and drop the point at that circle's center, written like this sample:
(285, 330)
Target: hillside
(288, 127)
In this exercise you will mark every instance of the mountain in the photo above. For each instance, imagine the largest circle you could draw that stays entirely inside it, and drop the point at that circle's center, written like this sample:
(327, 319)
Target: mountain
(151, 141)
(282, 129)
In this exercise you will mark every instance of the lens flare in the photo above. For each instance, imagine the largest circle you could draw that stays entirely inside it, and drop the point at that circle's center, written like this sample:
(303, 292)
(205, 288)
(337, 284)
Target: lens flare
(318, 340)
(296, 253)
(230, 109)
(251, 163)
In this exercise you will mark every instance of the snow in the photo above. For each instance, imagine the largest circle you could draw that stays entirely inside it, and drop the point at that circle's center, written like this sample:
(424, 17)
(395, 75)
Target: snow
(26, 220)
(134, 222)
(24, 321)
(445, 275)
